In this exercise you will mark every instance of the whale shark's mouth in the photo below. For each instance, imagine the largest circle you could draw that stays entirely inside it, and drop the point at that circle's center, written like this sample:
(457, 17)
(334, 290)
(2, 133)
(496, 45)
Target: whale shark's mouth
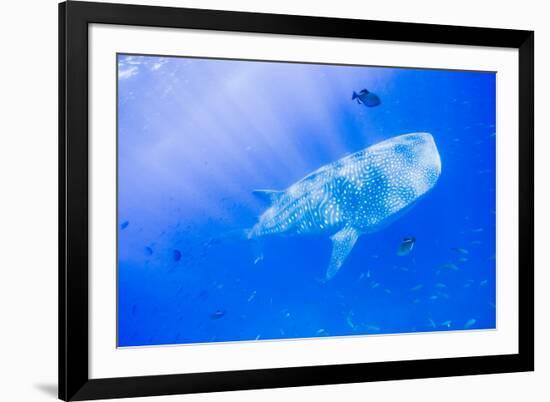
(430, 154)
(428, 160)
(419, 148)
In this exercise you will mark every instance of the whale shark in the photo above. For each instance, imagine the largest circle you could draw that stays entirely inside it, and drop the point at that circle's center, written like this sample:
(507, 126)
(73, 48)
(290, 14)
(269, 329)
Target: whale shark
(359, 194)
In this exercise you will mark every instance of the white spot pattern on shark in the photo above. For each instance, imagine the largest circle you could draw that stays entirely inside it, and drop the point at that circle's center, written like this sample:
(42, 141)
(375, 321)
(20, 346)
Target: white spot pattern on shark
(360, 193)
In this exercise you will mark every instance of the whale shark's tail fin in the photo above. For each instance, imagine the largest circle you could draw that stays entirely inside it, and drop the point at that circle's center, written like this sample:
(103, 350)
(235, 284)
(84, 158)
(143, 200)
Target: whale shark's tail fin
(342, 243)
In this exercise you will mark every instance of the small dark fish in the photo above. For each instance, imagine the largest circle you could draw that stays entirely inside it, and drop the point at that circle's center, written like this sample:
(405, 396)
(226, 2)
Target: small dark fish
(176, 255)
(366, 98)
(406, 246)
(216, 315)
(148, 251)
(459, 250)
(450, 266)
(124, 225)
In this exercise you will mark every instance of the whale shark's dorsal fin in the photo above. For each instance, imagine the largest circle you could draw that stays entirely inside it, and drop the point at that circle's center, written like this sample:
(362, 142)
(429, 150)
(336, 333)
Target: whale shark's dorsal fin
(270, 196)
(342, 243)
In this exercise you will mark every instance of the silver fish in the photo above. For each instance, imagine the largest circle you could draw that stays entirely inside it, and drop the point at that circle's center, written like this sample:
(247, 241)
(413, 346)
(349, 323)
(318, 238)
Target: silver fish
(406, 246)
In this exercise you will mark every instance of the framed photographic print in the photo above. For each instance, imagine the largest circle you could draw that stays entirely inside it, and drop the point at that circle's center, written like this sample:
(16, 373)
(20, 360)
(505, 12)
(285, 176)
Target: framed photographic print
(256, 200)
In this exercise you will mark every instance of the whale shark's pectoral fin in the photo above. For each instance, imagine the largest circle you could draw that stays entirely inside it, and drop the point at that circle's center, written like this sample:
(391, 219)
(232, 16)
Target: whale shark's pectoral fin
(269, 196)
(342, 243)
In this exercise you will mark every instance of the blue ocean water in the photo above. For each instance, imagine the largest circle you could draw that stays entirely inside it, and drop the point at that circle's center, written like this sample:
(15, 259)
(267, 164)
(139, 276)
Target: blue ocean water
(197, 136)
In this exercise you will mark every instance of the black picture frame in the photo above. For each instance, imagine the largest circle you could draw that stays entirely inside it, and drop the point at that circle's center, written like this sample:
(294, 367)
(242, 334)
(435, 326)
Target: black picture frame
(74, 18)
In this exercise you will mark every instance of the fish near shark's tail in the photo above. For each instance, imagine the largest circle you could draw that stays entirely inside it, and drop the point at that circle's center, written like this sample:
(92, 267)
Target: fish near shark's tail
(256, 244)
(231, 236)
(239, 235)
